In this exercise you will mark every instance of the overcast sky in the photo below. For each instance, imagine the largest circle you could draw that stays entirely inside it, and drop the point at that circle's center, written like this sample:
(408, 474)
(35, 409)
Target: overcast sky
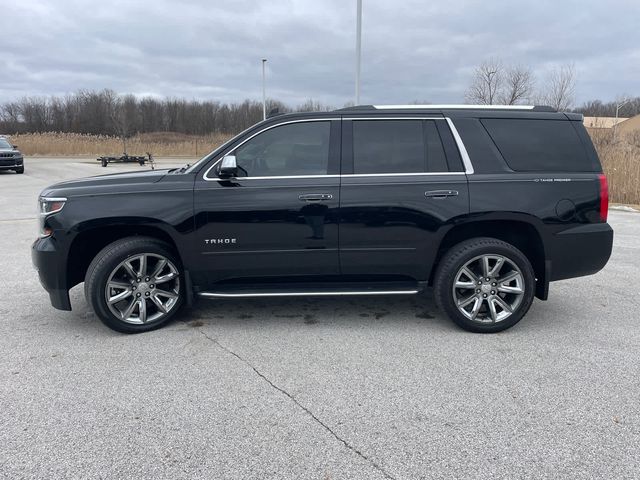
(412, 50)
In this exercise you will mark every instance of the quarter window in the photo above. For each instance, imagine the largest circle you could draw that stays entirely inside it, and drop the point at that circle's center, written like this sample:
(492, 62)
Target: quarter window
(397, 146)
(286, 150)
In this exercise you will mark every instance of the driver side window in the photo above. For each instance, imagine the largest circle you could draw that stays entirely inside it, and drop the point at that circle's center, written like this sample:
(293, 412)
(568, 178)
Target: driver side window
(286, 150)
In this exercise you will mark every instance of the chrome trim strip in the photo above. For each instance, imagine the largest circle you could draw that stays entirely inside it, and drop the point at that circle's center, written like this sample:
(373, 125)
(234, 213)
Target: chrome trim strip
(392, 118)
(419, 174)
(54, 199)
(209, 179)
(468, 166)
(305, 294)
(455, 106)
(463, 153)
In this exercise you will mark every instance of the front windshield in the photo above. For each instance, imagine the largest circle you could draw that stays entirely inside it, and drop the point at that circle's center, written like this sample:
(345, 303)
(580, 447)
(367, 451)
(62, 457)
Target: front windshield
(207, 157)
(5, 144)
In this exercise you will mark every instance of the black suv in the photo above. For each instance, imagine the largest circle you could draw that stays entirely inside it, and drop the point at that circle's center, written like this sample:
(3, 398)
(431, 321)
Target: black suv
(10, 157)
(486, 204)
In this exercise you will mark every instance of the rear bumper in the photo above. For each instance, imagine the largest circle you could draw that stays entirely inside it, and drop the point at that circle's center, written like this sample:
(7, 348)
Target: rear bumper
(48, 262)
(580, 251)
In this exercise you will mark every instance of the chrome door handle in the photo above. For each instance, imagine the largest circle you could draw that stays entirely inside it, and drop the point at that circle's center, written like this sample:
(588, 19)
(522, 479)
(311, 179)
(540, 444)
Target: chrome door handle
(439, 194)
(315, 197)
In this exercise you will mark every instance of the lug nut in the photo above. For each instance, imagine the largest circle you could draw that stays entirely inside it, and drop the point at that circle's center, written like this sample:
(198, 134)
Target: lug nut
(493, 292)
(138, 294)
(487, 279)
(484, 295)
(146, 294)
(479, 282)
(478, 291)
(494, 284)
(152, 286)
(139, 280)
(146, 279)
(134, 287)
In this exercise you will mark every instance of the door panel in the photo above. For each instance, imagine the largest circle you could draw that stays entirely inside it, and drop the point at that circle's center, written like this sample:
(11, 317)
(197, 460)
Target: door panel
(268, 223)
(389, 225)
(401, 190)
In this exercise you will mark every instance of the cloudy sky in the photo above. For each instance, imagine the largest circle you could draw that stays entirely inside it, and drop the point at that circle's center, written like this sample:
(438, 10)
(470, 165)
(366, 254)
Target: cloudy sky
(211, 49)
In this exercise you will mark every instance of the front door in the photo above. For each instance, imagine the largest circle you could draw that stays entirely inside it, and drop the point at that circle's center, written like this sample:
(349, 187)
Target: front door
(279, 216)
(403, 185)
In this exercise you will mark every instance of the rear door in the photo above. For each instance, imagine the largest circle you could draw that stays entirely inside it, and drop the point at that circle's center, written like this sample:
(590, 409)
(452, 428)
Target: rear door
(403, 185)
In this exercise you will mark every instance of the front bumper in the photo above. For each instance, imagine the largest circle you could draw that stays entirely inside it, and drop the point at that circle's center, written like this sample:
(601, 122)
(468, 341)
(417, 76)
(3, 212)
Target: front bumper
(50, 265)
(11, 163)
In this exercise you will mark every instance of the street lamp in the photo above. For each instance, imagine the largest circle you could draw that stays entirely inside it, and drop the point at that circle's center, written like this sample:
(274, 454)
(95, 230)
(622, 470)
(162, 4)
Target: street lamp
(358, 49)
(618, 107)
(264, 94)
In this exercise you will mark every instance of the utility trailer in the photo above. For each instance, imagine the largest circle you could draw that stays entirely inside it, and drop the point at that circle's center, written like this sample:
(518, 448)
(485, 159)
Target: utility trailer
(125, 158)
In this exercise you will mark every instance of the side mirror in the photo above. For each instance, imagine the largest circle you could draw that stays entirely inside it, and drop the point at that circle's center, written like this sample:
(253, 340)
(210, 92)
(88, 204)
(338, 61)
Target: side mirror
(15, 146)
(229, 167)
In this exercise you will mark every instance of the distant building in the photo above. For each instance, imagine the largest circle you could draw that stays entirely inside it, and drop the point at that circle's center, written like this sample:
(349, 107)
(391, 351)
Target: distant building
(629, 126)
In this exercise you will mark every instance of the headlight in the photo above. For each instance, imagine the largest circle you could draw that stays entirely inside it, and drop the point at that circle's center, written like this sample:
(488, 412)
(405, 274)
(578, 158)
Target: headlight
(49, 205)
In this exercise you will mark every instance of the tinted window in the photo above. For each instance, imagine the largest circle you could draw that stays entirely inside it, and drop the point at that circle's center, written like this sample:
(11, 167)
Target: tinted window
(539, 145)
(5, 144)
(293, 149)
(397, 146)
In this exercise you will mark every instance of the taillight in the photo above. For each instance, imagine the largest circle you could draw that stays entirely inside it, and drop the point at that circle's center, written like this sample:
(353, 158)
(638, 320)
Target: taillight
(604, 197)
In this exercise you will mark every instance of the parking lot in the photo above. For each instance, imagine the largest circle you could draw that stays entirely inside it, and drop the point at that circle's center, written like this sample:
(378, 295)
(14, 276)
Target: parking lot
(321, 388)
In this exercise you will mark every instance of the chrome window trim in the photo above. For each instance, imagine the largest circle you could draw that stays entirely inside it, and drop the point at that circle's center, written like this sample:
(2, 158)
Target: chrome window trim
(305, 120)
(463, 152)
(468, 166)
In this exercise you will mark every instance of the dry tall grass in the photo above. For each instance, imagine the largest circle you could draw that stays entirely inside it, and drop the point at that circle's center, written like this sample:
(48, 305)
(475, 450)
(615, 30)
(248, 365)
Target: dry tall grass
(621, 163)
(620, 158)
(159, 144)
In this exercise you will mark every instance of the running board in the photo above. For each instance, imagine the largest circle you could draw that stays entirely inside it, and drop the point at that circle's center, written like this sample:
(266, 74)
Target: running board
(404, 289)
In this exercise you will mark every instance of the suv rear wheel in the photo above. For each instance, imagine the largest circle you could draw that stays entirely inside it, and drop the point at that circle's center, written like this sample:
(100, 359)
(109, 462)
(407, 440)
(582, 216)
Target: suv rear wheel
(485, 285)
(134, 284)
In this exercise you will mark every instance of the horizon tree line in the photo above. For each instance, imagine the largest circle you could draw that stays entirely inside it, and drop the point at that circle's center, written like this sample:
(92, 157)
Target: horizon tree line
(107, 113)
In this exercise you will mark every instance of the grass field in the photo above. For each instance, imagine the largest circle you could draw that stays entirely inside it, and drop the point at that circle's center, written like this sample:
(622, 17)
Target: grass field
(159, 144)
(620, 160)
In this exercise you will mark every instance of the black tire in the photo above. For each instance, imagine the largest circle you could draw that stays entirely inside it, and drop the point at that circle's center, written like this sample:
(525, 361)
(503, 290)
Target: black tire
(107, 260)
(454, 259)
(20, 170)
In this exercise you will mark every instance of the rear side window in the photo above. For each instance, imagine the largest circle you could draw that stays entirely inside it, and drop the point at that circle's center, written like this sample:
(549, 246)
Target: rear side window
(397, 146)
(539, 145)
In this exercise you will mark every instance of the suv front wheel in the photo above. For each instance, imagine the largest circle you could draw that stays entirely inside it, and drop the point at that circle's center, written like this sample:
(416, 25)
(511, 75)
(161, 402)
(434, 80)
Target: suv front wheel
(135, 284)
(485, 285)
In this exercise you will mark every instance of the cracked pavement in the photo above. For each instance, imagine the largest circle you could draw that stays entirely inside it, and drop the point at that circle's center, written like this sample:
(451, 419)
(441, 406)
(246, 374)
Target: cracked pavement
(318, 388)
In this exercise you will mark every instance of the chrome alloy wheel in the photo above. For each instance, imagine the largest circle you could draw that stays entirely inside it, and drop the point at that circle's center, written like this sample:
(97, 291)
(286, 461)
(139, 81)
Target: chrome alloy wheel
(488, 288)
(143, 288)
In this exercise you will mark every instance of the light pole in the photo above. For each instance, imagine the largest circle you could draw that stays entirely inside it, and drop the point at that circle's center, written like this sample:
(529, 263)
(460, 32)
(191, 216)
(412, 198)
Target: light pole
(618, 107)
(358, 49)
(264, 91)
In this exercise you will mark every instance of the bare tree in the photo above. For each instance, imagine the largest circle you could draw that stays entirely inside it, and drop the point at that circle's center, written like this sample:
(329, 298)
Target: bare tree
(486, 84)
(123, 113)
(517, 85)
(560, 88)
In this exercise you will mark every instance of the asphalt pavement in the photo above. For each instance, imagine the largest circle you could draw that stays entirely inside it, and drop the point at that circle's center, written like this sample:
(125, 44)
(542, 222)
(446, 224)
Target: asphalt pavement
(323, 388)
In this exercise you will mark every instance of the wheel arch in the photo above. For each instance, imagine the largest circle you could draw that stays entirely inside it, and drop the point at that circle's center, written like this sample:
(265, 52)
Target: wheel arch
(522, 234)
(91, 239)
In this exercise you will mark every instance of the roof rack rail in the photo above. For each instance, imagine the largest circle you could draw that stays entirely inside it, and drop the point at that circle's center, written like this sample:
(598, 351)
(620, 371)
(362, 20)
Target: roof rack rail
(535, 108)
